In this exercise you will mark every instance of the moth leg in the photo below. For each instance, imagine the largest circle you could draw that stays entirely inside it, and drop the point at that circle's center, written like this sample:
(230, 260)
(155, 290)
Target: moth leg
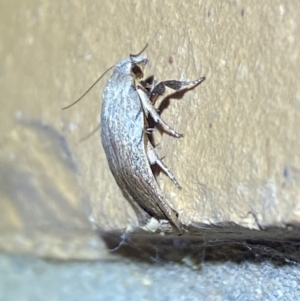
(149, 109)
(148, 84)
(154, 159)
(171, 86)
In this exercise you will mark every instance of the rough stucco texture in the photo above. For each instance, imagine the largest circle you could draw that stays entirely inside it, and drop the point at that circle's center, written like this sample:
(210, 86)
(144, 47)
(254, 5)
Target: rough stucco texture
(239, 161)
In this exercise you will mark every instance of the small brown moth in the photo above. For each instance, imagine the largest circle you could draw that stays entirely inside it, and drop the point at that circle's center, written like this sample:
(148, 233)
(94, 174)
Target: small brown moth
(128, 101)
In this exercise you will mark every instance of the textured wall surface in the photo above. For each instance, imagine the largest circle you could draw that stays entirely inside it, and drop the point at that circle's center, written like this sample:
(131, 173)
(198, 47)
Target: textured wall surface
(239, 161)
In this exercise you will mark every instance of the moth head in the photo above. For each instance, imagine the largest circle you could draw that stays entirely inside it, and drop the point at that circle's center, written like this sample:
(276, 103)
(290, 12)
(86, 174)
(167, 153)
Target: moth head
(138, 64)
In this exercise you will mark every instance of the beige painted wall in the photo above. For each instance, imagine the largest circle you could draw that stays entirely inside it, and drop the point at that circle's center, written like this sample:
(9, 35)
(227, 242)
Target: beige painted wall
(239, 161)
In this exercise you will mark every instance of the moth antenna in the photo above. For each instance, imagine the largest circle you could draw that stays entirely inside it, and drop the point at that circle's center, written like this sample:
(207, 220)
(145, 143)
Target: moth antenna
(88, 90)
(135, 55)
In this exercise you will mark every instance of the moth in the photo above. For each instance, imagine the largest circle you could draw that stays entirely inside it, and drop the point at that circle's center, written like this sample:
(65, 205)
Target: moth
(128, 101)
